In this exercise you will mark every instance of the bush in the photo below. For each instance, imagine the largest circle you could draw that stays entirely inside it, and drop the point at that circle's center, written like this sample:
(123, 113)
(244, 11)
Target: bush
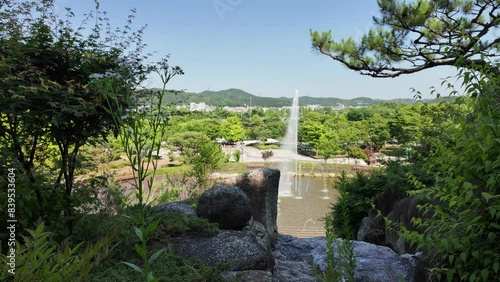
(460, 239)
(237, 156)
(40, 259)
(267, 154)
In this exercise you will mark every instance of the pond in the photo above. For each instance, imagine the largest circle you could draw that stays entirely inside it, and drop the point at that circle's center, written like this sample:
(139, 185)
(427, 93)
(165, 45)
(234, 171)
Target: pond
(302, 207)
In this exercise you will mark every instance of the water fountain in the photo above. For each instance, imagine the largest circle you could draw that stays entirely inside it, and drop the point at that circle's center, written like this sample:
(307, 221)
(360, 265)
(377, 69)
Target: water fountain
(289, 168)
(301, 202)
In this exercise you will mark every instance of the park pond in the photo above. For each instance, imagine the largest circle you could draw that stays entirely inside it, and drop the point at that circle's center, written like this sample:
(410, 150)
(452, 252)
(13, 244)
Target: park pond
(301, 210)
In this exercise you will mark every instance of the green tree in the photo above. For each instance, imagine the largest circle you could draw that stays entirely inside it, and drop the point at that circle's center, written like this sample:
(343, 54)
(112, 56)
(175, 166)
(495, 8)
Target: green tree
(405, 126)
(328, 144)
(207, 158)
(378, 129)
(460, 239)
(45, 96)
(416, 35)
(310, 132)
(232, 130)
(358, 114)
(210, 127)
(188, 141)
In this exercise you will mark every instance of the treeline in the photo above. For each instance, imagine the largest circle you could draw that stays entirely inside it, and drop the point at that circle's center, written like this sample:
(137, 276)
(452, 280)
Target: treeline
(357, 132)
(239, 98)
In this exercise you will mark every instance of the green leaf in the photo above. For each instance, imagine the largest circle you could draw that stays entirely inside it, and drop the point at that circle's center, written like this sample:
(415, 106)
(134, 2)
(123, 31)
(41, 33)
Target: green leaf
(484, 274)
(487, 196)
(152, 227)
(463, 256)
(140, 250)
(495, 225)
(138, 232)
(156, 255)
(134, 267)
(475, 254)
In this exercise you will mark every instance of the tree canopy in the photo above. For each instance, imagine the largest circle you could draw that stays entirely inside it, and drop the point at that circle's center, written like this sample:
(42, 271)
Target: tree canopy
(417, 35)
(46, 98)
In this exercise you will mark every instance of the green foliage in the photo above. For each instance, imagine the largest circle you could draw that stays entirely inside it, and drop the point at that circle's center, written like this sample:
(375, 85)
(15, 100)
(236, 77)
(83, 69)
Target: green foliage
(357, 195)
(328, 145)
(405, 127)
(340, 266)
(310, 132)
(188, 142)
(359, 114)
(461, 237)
(356, 152)
(46, 99)
(166, 266)
(232, 130)
(139, 141)
(237, 155)
(208, 159)
(41, 259)
(411, 36)
(141, 249)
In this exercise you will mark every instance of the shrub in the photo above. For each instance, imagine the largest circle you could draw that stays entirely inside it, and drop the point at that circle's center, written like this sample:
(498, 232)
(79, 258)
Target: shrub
(461, 237)
(267, 154)
(39, 259)
(237, 155)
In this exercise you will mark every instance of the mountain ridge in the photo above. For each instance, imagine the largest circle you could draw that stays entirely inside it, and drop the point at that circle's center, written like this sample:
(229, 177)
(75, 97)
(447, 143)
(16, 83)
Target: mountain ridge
(234, 97)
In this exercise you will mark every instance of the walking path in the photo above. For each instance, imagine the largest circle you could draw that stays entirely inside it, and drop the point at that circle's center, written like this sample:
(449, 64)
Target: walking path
(252, 155)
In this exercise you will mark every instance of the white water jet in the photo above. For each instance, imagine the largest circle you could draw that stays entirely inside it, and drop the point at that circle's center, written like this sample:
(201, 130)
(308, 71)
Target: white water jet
(288, 168)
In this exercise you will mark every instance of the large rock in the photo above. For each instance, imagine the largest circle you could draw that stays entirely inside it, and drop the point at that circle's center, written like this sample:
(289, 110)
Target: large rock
(228, 206)
(241, 250)
(176, 207)
(295, 257)
(259, 232)
(403, 212)
(372, 230)
(261, 186)
(250, 276)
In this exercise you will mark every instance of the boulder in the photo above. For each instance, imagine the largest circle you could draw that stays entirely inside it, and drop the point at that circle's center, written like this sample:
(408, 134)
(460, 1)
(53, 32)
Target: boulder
(294, 260)
(259, 232)
(249, 276)
(402, 213)
(176, 207)
(261, 186)
(241, 250)
(372, 230)
(294, 257)
(226, 205)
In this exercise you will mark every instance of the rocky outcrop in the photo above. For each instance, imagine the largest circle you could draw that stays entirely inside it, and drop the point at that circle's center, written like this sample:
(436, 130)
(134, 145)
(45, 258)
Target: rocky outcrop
(294, 260)
(261, 186)
(403, 212)
(250, 276)
(241, 250)
(372, 230)
(228, 206)
(176, 207)
(259, 232)
(255, 252)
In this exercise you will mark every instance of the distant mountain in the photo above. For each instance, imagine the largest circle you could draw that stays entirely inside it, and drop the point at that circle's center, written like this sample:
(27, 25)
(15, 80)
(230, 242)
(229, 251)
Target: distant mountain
(238, 98)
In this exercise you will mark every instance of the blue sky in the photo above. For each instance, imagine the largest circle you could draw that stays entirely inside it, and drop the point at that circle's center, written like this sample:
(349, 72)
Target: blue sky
(262, 47)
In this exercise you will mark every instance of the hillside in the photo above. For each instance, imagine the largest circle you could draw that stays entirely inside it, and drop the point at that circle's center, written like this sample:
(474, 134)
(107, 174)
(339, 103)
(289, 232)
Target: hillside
(239, 98)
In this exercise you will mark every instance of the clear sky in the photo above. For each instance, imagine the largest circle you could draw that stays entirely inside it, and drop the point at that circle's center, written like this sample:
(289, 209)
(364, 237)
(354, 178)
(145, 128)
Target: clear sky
(260, 46)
